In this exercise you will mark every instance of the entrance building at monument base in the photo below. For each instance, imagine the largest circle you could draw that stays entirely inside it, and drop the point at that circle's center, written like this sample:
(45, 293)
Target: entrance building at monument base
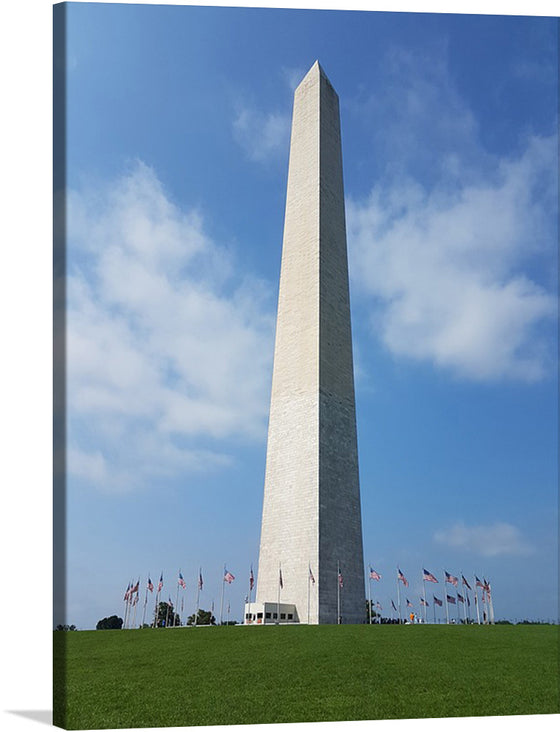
(270, 613)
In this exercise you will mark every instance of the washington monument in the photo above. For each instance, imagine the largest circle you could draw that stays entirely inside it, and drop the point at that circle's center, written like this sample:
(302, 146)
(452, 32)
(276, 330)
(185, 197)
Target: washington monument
(311, 557)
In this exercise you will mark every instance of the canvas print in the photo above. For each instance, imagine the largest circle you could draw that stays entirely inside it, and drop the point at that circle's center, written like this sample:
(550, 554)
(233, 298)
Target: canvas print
(305, 298)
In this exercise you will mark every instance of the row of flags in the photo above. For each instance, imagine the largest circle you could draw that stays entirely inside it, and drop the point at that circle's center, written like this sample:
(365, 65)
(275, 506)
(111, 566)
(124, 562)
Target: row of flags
(131, 595)
(448, 599)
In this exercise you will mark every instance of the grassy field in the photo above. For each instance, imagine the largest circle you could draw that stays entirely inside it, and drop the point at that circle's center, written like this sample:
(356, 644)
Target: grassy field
(239, 675)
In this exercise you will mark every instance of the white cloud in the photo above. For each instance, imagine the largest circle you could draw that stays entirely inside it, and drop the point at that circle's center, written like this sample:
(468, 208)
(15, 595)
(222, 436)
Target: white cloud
(263, 135)
(453, 248)
(445, 270)
(165, 347)
(498, 539)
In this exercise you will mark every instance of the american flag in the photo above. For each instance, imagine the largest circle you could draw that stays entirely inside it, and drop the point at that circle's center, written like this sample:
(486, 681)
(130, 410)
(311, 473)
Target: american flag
(311, 577)
(487, 586)
(437, 602)
(408, 603)
(378, 605)
(478, 582)
(228, 577)
(393, 604)
(251, 580)
(460, 598)
(181, 581)
(424, 602)
(280, 580)
(127, 593)
(428, 576)
(373, 574)
(135, 588)
(451, 579)
(402, 578)
(200, 580)
(464, 581)
(150, 585)
(451, 600)
(170, 603)
(160, 583)
(340, 579)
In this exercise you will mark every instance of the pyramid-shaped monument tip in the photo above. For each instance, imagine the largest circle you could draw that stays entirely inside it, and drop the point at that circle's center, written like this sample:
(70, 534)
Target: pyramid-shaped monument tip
(316, 71)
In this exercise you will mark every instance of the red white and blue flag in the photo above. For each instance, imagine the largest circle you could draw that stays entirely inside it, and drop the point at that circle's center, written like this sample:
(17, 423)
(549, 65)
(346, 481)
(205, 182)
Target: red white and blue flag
(251, 580)
(478, 582)
(402, 578)
(437, 602)
(200, 580)
(424, 602)
(135, 588)
(181, 582)
(451, 579)
(311, 577)
(428, 576)
(408, 603)
(340, 579)
(378, 605)
(393, 604)
(451, 600)
(464, 581)
(460, 598)
(127, 593)
(150, 585)
(228, 577)
(160, 583)
(280, 580)
(373, 574)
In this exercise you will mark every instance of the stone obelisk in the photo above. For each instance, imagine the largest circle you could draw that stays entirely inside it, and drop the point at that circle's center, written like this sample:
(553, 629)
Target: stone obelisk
(311, 521)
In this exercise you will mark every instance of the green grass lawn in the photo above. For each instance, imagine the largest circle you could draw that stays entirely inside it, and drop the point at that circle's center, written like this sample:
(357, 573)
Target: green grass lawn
(240, 675)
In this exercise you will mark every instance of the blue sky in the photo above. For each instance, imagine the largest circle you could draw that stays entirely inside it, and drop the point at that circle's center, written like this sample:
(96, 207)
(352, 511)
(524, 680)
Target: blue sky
(177, 153)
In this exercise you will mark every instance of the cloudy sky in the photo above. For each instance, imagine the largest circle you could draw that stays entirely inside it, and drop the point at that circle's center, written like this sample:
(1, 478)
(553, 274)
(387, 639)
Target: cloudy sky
(178, 126)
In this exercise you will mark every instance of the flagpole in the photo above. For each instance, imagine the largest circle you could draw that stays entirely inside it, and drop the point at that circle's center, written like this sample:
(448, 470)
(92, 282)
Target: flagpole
(125, 623)
(308, 590)
(135, 606)
(126, 607)
(369, 594)
(197, 595)
(445, 598)
(278, 601)
(476, 600)
(338, 594)
(145, 604)
(176, 598)
(156, 608)
(222, 600)
(424, 590)
(250, 590)
(399, 597)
